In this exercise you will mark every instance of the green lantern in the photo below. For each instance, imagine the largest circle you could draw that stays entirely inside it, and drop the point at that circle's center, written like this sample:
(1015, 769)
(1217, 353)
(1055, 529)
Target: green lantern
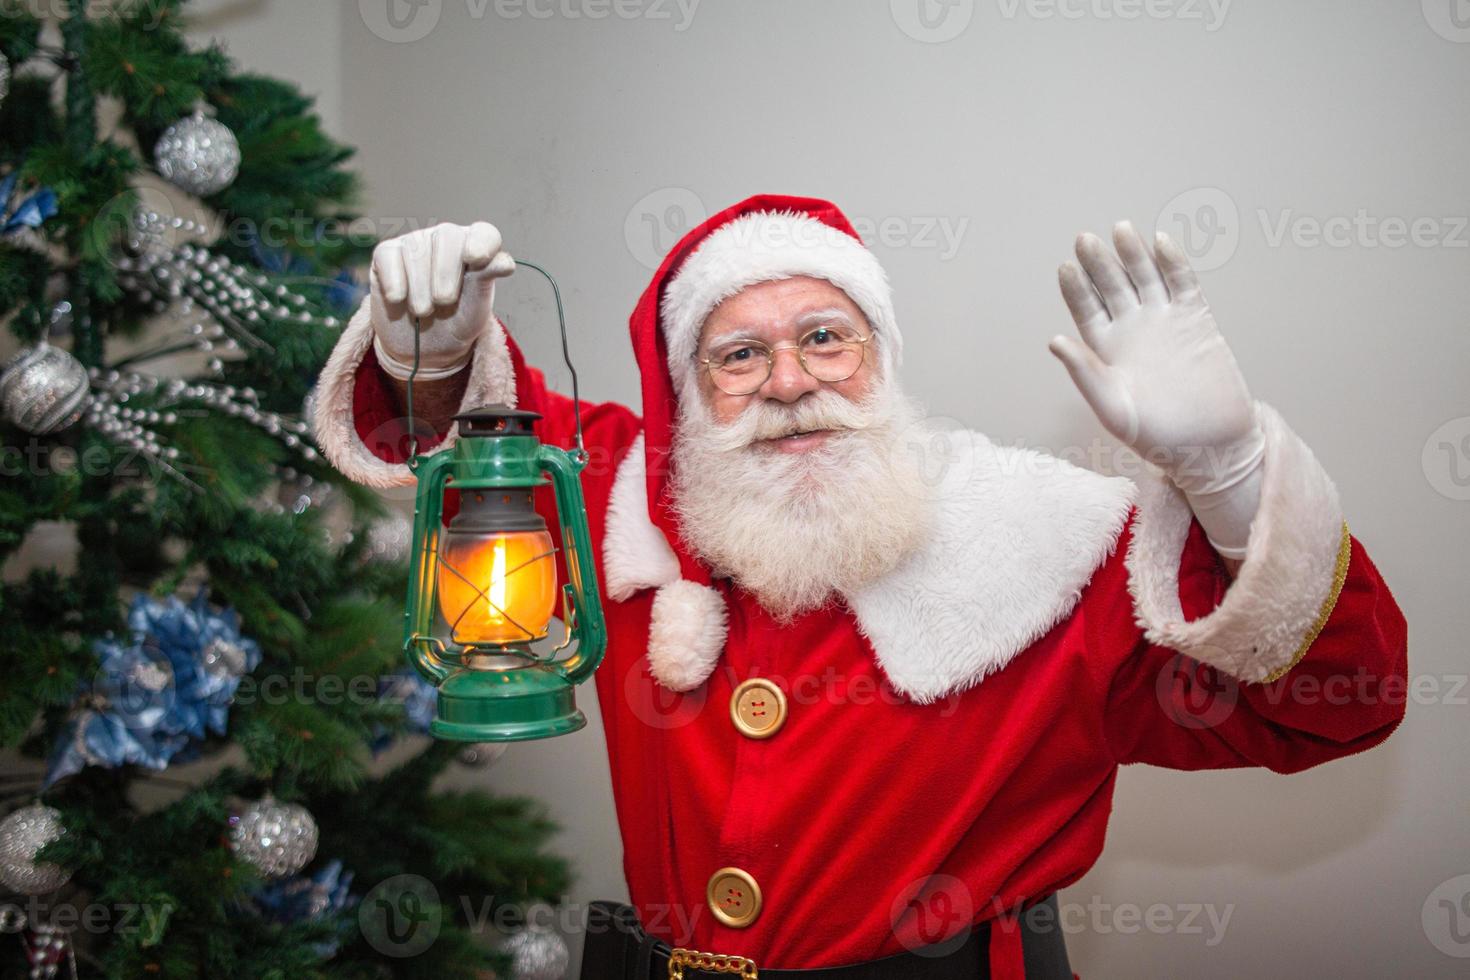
(482, 590)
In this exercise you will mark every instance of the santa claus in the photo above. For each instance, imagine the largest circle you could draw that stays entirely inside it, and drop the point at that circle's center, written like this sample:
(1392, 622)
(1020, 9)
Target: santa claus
(869, 679)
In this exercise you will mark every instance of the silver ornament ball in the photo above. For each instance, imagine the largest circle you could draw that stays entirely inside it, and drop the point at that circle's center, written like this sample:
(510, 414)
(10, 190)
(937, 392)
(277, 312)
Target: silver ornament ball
(43, 389)
(198, 154)
(536, 952)
(279, 839)
(22, 835)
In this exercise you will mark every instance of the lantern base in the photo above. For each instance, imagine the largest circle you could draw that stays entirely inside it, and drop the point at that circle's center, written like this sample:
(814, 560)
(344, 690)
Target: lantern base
(530, 702)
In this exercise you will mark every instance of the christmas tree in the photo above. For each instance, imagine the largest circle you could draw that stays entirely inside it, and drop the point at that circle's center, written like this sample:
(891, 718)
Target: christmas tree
(230, 598)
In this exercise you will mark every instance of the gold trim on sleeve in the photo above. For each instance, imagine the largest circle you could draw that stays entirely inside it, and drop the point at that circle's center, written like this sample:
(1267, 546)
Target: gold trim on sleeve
(1339, 576)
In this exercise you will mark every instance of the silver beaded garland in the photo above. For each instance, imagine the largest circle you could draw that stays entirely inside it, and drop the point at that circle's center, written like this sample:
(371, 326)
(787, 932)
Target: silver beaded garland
(278, 838)
(22, 835)
(43, 389)
(198, 154)
(232, 297)
(389, 539)
(47, 947)
(59, 322)
(536, 951)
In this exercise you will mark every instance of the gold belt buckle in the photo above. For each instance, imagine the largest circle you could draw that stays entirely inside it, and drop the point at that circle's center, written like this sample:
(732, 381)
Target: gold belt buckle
(679, 958)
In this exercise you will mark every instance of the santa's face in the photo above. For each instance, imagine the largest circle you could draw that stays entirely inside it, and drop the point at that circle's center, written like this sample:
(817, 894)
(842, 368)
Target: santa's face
(779, 314)
(797, 490)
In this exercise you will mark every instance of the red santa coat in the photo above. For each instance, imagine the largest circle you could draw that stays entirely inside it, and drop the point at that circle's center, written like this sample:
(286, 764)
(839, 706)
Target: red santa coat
(950, 738)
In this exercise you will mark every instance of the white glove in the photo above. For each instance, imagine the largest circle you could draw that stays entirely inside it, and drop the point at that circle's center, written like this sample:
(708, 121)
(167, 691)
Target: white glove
(444, 275)
(1160, 377)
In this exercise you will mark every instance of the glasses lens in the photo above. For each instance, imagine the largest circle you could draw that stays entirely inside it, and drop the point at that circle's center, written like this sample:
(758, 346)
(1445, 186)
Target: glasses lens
(739, 369)
(832, 353)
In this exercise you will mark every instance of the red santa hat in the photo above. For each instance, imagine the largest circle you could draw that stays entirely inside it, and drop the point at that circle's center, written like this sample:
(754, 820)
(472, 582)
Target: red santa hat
(763, 238)
(786, 237)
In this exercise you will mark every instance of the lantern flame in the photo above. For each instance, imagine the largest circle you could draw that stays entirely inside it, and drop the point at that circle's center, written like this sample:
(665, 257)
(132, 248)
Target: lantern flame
(497, 584)
(498, 588)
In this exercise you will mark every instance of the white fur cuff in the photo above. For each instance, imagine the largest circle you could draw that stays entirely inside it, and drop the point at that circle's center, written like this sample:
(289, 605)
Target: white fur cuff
(492, 380)
(1295, 563)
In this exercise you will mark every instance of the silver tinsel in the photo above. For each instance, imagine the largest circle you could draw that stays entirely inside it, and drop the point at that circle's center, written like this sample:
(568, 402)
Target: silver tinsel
(198, 154)
(4, 78)
(22, 835)
(536, 951)
(278, 838)
(43, 389)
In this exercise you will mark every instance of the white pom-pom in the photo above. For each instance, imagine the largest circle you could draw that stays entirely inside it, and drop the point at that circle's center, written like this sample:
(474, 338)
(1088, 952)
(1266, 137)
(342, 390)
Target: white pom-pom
(686, 634)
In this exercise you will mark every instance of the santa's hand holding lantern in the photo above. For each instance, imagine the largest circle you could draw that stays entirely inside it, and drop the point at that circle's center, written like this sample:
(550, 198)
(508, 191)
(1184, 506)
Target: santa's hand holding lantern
(483, 588)
(999, 639)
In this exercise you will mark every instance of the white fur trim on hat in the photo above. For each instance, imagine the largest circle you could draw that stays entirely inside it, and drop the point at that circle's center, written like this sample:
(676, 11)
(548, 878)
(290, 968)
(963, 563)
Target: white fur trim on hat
(635, 553)
(687, 631)
(686, 634)
(1294, 566)
(492, 381)
(765, 246)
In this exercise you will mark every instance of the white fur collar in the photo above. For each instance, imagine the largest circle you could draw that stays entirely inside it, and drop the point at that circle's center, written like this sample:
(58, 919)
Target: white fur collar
(1018, 536)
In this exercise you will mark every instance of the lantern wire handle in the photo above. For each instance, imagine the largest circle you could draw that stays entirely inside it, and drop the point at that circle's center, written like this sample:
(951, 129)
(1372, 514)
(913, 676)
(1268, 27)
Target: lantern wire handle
(413, 433)
(566, 355)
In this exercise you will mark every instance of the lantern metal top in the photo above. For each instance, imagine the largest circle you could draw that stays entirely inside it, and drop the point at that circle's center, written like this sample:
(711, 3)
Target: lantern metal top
(493, 421)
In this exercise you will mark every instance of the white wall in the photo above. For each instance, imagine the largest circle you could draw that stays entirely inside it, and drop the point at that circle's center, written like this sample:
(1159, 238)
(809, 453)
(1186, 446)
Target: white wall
(581, 136)
(296, 40)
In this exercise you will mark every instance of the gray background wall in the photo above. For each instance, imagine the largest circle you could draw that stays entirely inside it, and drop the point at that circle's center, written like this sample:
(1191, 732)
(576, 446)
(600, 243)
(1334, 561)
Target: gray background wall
(975, 142)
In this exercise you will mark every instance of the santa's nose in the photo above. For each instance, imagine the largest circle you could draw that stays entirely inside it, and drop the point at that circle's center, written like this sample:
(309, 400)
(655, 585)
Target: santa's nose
(789, 380)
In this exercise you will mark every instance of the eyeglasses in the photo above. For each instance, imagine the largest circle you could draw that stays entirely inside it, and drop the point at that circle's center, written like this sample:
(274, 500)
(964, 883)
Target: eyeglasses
(831, 353)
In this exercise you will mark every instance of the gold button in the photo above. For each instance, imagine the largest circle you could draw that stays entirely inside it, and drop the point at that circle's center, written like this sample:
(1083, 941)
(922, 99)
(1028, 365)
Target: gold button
(758, 708)
(734, 897)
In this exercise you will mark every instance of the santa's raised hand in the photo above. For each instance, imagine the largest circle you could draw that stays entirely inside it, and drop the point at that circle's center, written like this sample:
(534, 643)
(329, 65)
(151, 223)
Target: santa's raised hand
(443, 279)
(1157, 372)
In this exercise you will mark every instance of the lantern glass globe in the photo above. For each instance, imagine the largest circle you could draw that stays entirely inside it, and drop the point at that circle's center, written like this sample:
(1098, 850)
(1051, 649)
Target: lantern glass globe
(496, 589)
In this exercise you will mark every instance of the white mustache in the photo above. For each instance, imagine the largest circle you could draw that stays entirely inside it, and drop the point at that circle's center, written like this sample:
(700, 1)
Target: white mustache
(773, 420)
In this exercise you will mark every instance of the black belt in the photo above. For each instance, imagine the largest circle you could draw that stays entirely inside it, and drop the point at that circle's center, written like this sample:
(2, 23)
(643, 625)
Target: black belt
(618, 948)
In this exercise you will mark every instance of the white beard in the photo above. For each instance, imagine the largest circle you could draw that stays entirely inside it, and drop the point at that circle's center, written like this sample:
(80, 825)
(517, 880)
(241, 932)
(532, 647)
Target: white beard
(796, 529)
